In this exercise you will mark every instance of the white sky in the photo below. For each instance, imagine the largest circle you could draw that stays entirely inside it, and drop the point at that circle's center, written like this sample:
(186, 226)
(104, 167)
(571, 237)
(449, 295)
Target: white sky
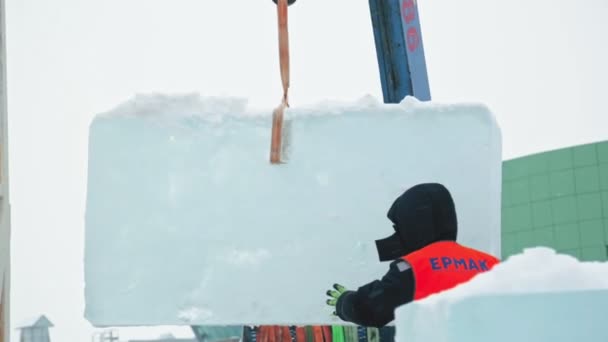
(539, 65)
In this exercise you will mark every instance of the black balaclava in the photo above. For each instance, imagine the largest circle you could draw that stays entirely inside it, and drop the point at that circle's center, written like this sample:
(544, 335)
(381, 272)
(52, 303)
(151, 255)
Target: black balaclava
(422, 215)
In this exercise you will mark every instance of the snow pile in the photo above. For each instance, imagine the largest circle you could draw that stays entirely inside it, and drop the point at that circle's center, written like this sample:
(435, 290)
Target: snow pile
(538, 269)
(539, 294)
(188, 223)
(179, 106)
(213, 108)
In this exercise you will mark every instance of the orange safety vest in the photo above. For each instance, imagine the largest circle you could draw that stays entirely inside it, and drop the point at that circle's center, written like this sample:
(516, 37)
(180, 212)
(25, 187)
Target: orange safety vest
(443, 265)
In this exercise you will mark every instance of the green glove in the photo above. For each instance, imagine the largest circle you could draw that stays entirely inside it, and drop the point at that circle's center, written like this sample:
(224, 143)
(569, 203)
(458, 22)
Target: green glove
(334, 295)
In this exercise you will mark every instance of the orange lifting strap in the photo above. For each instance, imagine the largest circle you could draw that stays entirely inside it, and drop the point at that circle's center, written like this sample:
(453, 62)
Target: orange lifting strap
(276, 145)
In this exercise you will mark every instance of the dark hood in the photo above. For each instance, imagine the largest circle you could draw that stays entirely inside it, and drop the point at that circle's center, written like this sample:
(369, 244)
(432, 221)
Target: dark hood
(422, 215)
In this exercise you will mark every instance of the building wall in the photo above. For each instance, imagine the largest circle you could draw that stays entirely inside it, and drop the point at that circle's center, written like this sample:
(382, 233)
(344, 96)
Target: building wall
(35, 334)
(557, 199)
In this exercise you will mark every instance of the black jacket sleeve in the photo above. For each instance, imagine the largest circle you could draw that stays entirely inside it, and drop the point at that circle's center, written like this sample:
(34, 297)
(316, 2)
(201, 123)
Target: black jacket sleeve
(374, 304)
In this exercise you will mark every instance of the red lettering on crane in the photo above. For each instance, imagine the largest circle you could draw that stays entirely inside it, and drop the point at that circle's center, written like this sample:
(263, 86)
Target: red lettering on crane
(408, 11)
(412, 39)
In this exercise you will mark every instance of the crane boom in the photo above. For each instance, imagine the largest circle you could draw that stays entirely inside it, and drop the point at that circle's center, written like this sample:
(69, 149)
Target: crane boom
(399, 49)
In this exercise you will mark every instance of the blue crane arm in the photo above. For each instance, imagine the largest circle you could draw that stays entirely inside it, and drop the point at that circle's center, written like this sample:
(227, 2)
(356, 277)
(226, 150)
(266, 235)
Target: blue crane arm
(399, 49)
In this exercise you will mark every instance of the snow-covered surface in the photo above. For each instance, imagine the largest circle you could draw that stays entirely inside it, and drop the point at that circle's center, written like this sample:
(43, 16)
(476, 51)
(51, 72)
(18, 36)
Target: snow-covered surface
(37, 321)
(538, 295)
(188, 223)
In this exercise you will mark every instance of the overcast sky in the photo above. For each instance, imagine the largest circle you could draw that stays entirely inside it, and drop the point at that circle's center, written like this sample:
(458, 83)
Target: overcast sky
(539, 65)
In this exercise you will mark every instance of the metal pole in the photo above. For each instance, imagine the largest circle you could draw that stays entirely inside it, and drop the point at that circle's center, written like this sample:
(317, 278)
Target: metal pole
(399, 50)
(4, 191)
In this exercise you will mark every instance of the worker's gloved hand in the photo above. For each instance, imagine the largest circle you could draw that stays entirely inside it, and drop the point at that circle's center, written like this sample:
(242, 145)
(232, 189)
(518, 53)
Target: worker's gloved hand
(289, 2)
(334, 295)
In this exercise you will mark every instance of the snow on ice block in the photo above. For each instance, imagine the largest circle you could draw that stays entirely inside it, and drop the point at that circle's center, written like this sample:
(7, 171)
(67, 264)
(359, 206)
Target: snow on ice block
(535, 296)
(187, 222)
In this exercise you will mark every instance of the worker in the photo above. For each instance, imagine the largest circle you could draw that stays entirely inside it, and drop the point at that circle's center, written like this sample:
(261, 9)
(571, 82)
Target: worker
(426, 259)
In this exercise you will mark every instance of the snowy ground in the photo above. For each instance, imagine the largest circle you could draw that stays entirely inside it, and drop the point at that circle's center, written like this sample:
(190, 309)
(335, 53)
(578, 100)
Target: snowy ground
(537, 295)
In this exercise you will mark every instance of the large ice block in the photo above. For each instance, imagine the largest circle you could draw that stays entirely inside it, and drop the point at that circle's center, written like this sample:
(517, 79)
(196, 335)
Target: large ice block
(534, 296)
(188, 223)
